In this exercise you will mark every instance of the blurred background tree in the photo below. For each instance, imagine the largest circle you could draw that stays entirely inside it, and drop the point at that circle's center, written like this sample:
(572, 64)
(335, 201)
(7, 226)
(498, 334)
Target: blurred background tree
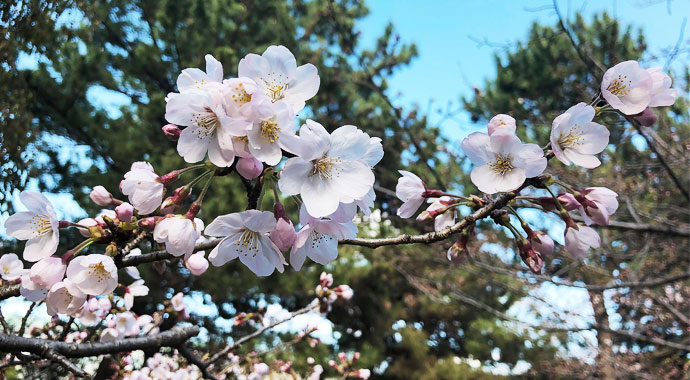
(413, 314)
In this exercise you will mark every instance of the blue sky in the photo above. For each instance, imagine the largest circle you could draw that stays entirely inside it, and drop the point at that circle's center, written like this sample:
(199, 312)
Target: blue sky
(446, 32)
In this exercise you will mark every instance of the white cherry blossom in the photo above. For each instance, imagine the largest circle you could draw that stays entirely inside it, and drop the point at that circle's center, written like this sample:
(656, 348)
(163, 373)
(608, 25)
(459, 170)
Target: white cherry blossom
(277, 75)
(662, 93)
(318, 237)
(273, 129)
(209, 128)
(502, 161)
(136, 289)
(245, 236)
(627, 87)
(502, 122)
(579, 240)
(46, 272)
(576, 138)
(330, 168)
(11, 268)
(93, 274)
(410, 190)
(143, 188)
(30, 290)
(65, 297)
(179, 234)
(39, 226)
(193, 78)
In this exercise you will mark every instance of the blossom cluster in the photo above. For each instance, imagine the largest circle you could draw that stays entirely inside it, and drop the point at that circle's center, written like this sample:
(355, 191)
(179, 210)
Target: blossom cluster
(503, 163)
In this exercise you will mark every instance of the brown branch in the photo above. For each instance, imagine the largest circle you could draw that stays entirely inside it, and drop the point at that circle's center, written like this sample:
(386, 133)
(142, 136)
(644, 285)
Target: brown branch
(171, 338)
(192, 359)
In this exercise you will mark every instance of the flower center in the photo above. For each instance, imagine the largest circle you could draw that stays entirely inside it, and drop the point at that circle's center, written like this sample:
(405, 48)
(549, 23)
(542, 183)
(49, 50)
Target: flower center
(208, 120)
(40, 225)
(620, 85)
(325, 167)
(250, 241)
(99, 271)
(502, 165)
(6, 270)
(67, 296)
(241, 96)
(573, 138)
(276, 85)
(318, 238)
(269, 130)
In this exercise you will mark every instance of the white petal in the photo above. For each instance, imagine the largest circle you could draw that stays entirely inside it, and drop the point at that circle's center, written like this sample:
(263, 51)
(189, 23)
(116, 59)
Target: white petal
(294, 173)
(41, 247)
(477, 147)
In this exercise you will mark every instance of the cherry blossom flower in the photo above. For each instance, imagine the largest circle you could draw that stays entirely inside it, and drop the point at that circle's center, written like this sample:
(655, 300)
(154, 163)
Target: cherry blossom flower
(662, 94)
(46, 272)
(133, 271)
(344, 291)
(329, 170)
(39, 226)
(179, 234)
(11, 268)
(627, 87)
(93, 274)
(126, 324)
(100, 196)
(241, 94)
(579, 239)
(246, 236)
(318, 237)
(277, 75)
(65, 297)
(209, 128)
(576, 138)
(138, 289)
(410, 190)
(597, 205)
(273, 129)
(196, 263)
(502, 122)
(143, 188)
(194, 79)
(502, 161)
(30, 290)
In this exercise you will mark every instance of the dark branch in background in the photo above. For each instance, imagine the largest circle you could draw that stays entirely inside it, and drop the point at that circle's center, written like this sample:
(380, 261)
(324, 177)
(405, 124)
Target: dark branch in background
(192, 359)
(58, 352)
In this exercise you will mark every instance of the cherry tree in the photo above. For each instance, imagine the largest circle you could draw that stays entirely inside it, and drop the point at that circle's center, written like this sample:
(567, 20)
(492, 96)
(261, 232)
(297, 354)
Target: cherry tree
(245, 126)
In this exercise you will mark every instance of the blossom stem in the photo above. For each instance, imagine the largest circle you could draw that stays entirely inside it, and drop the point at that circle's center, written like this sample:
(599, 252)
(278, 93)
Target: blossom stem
(69, 255)
(570, 188)
(72, 224)
(516, 233)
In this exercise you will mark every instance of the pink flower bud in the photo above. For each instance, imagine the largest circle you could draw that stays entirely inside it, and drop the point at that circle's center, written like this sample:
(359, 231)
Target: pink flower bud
(502, 122)
(147, 223)
(88, 222)
(104, 304)
(541, 242)
(249, 167)
(100, 196)
(568, 201)
(326, 279)
(172, 131)
(283, 234)
(344, 291)
(356, 356)
(197, 263)
(47, 272)
(363, 374)
(530, 257)
(646, 118)
(342, 357)
(125, 212)
(579, 239)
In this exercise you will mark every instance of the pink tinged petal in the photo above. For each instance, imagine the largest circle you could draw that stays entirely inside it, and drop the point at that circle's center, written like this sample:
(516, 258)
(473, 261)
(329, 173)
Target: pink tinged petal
(314, 140)
(224, 251)
(190, 79)
(490, 182)
(587, 161)
(504, 142)
(502, 122)
(531, 158)
(477, 147)
(255, 260)
(353, 179)
(304, 85)
(410, 207)
(221, 157)
(181, 109)
(318, 196)
(226, 225)
(36, 202)
(193, 144)
(214, 69)
(19, 225)
(594, 138)
(272, 253)
(348, 143)
(293, 175)
(444, 220)
(558, 152)
(321, 248)
(41, 247)
(259, 221)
